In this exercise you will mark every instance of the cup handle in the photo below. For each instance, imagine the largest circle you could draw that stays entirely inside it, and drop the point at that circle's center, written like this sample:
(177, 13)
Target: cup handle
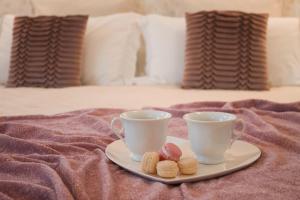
(235, 135)
(116, 131)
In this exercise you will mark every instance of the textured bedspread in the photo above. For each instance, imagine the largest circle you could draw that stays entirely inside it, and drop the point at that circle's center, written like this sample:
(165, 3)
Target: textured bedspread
(62, 157)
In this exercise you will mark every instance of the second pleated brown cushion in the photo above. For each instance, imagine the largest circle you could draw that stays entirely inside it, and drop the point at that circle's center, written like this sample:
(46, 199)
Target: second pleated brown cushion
(226, 50)
(47, 51)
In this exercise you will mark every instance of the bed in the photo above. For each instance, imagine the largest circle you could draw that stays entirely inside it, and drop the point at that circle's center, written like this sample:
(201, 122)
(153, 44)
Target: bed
(30, 101)
(52, 141)
(47, 152)
(62, 156)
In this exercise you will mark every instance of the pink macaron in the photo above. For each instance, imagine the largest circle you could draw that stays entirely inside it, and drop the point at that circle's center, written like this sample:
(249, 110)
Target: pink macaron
(170, 151)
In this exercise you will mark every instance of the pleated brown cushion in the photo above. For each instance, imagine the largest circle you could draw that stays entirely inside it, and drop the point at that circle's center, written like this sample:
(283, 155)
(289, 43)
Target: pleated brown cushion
(46, 51)
(226, 50)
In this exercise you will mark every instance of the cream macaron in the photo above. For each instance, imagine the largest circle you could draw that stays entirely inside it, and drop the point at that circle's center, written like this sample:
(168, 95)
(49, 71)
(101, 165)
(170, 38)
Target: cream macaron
(167, 169)
(188, 166)
(149, 161)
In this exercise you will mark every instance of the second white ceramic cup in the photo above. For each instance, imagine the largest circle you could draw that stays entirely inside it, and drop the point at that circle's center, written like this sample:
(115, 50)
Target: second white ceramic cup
(211, 134)
(144, 130)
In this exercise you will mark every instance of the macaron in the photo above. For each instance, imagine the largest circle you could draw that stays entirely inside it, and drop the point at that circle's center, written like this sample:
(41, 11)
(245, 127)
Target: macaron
(149, 161)
(188, 166)
(167, 169)
(170, 151)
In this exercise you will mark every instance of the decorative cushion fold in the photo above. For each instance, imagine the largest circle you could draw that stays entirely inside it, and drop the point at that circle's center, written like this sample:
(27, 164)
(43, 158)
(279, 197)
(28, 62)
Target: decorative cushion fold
(47, 51)
(226, 50)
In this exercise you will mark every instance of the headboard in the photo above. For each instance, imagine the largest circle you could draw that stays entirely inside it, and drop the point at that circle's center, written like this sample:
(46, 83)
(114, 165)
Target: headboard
(18, 7)
(165, 7)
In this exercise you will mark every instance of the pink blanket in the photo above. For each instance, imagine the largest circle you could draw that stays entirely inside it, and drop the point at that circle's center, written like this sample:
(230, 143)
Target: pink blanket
(62, 157)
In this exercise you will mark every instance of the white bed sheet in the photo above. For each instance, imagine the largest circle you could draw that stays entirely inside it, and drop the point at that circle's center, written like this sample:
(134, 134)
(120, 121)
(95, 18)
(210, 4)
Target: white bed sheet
(27, 101)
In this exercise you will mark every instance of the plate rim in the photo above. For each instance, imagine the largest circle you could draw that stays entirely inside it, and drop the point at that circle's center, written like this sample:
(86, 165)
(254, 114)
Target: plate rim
(185, 179)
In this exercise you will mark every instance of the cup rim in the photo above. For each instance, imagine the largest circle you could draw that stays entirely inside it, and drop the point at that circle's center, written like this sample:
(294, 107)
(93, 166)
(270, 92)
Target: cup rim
(166, 115)
(187, 117)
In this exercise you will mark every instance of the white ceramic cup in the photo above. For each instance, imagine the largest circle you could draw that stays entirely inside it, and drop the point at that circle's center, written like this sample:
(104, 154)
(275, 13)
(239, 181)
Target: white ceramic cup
(211, 134)
(144, 130)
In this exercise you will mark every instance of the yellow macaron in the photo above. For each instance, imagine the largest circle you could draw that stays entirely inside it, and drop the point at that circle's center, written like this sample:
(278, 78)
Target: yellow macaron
(167, 169)
(188, 166)
(149, 161)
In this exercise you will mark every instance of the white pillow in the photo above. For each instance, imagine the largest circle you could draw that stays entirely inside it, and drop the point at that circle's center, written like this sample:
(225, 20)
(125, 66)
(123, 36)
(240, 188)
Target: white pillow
(283, 51)
(5, 46)
(86, 7)
(111, 46)
(165, 44)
